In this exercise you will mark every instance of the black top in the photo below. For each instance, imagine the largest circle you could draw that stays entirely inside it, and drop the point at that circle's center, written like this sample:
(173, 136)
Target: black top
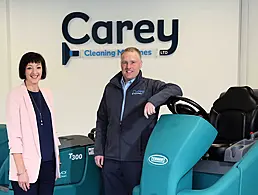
(45, 127)
(126, 140)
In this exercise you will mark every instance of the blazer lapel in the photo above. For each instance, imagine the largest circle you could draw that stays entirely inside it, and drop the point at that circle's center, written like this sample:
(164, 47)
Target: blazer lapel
(32, 117)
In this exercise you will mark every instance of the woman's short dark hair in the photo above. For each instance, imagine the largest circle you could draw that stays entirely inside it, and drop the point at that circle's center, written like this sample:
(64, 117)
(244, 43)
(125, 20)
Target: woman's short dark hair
(32, 57)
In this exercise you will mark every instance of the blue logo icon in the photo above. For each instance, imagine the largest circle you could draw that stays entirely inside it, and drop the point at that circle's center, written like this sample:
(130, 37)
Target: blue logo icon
(67, 53)
(157, 159)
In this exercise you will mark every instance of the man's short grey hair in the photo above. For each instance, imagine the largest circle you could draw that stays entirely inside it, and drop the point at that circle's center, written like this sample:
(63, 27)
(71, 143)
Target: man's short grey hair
(132, 49)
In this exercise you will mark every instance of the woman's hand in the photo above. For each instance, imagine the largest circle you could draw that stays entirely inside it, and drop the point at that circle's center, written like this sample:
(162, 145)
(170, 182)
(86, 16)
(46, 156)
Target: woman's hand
(59, 164)
(23, 178)
(23, 181)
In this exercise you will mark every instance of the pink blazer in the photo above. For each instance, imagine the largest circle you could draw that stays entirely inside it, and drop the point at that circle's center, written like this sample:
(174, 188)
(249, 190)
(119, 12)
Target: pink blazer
(23, 132)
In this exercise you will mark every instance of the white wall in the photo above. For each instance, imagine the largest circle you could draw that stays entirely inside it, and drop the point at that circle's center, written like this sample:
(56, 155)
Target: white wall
(252, 44)
(4, 78)
(204, 65)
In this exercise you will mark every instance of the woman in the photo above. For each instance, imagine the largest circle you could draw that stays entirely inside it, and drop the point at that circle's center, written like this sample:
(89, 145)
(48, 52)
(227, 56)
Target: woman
(33, 143)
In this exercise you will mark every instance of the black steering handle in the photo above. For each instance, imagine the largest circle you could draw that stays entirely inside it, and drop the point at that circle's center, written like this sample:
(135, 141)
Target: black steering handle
(172, 107)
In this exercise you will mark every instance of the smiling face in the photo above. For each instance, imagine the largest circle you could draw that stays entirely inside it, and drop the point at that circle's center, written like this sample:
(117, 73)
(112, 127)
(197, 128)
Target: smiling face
(33, 73)
(131, 64)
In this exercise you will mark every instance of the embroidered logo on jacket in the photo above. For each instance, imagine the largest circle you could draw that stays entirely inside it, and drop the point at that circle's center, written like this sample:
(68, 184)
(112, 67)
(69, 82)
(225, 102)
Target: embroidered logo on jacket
(138, 92)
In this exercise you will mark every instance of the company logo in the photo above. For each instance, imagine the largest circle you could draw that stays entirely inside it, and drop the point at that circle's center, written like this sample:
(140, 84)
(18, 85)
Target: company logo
(138, 92)
(158, 159)
(140, 28)
(63, 174)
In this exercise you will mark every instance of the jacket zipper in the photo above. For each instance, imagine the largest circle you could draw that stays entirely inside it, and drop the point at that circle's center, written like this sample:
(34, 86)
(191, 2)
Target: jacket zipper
(120, 123)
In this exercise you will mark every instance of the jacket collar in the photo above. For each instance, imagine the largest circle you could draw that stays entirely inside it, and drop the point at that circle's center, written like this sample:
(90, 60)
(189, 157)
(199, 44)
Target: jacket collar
(116, 80)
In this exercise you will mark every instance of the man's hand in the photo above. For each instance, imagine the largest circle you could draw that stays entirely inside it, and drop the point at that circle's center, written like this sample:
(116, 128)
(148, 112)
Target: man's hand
(99, 160)
(149, 109)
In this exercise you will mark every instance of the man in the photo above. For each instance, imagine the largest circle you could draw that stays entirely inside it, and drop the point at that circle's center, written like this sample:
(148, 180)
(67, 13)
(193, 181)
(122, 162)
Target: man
(126, 116)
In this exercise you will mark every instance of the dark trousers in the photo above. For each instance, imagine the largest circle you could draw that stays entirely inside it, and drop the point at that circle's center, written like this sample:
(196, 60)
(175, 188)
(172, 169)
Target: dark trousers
(45, 183)
(120, 177)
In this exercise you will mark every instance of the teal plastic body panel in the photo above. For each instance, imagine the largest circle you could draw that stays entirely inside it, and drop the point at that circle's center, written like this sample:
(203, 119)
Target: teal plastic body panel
(73, 162)
(79, 173)
(175, 146)
(4, 153)
(204, 180)
(85, 178)
(3, 144)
